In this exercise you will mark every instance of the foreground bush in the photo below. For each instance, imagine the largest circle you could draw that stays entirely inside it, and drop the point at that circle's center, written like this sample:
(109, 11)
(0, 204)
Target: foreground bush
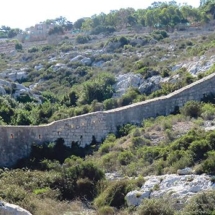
(79, 180)
(114, 194)
(203, 203)
(155, 207)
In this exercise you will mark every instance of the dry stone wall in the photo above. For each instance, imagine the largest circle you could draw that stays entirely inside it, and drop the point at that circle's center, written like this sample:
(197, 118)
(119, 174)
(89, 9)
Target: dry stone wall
(16, 141)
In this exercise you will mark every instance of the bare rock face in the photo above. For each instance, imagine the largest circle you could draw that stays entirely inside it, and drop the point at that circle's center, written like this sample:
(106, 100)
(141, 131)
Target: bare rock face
(147, 86)
(10, 209)
(196, 65)
(181, 187)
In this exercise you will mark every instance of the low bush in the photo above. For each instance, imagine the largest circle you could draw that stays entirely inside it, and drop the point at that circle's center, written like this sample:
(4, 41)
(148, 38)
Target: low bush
(155, 207)
(106, 210)
(33, 49)
(203, 203)
(81, 39)
(192, 109)
(114, 194)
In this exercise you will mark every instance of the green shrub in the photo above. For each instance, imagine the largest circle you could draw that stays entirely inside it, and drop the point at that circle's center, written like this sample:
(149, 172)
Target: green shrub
(18, 46)
(78, 181)
(81, 39)
(192, 109)
(114, 194)
(155, 207)
(208, 165)
(33, 49)
(203, 203)
(159, 34)
(109, 161)
(125, 157)
(208, 111)
(105, 147)
(106, 210)
(46, 48)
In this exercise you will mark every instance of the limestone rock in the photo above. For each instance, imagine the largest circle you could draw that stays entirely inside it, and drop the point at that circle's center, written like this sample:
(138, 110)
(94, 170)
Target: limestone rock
(150, 85)
(185, 171)
(38, 67)
(126, 81)
(11, 209)
(81, 59)
(14, 75)
(58, 66)
(196, 65)
(86, 61)
(98, 63)
(181, 187)
(135, 197)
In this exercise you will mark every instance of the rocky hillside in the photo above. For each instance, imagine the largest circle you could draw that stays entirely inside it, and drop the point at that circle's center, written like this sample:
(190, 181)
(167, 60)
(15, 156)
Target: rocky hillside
(72, 77)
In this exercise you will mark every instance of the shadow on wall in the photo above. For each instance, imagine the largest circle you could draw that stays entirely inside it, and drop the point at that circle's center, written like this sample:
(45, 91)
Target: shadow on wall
(40, 155)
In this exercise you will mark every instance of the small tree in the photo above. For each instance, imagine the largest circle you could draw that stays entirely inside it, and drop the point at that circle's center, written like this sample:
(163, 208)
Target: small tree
(18, 46)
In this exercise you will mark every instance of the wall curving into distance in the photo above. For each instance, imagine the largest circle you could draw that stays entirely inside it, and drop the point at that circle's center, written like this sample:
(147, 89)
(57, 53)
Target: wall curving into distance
(16, 141)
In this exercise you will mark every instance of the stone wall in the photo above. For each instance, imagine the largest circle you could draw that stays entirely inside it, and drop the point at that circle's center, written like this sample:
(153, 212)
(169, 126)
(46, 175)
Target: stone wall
(16, 141)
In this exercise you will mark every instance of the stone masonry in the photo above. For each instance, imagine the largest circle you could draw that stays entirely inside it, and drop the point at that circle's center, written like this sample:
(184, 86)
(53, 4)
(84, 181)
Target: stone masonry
(16, 141)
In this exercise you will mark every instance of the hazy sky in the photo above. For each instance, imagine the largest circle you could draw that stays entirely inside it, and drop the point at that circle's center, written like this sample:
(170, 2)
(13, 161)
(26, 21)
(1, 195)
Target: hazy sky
(25, 13)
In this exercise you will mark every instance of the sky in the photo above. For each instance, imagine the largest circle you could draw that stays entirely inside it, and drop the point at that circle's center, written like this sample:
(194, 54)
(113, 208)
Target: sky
(26, 13)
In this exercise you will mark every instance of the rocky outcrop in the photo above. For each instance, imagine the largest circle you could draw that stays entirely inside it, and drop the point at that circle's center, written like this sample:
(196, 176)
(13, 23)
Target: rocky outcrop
(81, 59)
(181, 187)
(14, 75)
(15, 89)
(196, 65)
(11, 209)
(130, 80)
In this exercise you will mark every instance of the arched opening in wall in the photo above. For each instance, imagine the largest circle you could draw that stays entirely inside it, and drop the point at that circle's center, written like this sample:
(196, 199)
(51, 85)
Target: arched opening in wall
(81, 137)
(11, 136)
(58, 132)
(39, 136)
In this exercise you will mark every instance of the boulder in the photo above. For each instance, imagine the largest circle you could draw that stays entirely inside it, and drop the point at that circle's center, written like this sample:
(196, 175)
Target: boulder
(78, 58)
(86, 61)
(185, 171)
(11, 209)
(150, 85)
(145, 86)
(196, 65)
(14, 75)
(134, 198)
(58, 66)
(38, 67)
(98, 63)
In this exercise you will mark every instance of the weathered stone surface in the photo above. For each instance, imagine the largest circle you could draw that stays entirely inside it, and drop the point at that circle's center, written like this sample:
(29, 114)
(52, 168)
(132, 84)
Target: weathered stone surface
(196, 65)
(11, 209)
(135, 197)
(130, 80)
(176, 186)
(185, 171)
